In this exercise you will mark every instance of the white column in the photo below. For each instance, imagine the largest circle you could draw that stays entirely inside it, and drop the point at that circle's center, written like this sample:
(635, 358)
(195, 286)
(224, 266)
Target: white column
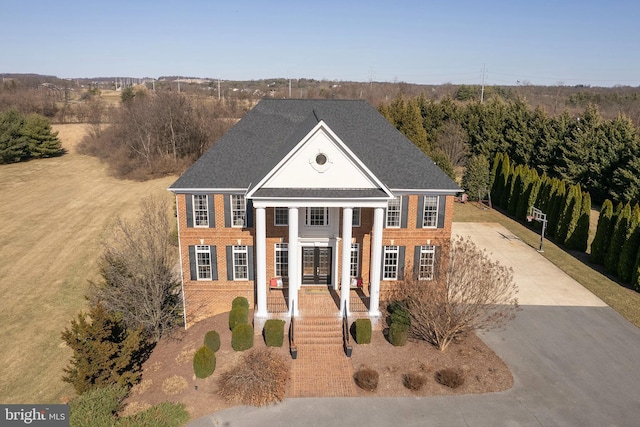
(294, 275)
(375, 262)
(261, 262)
(345, 283)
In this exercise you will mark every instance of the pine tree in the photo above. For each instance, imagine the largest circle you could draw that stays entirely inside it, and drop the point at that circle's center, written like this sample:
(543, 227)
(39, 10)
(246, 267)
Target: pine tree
(556, 205)
(14, 147)
(617, 239)
(508, 186)
(42, 141)
(580, 236)
(602, 239)
(629, 251)
(516, 190)
(497, 182)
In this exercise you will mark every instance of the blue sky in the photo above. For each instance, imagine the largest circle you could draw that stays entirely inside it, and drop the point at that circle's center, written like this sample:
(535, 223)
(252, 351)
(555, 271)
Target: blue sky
(432, 42)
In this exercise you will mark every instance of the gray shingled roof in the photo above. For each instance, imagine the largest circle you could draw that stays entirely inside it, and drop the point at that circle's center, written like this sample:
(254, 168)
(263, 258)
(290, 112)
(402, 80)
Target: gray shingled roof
(250, 149)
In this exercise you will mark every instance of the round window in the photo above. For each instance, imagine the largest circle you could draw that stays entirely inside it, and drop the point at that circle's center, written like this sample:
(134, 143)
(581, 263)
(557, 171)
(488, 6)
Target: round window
(321, 159)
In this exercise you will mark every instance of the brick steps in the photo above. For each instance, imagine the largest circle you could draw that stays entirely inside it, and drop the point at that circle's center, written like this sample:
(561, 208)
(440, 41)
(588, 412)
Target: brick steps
(320, 331)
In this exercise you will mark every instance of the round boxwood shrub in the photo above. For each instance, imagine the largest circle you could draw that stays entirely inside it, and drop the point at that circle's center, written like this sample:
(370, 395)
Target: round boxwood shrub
(363, 331)
(212, 340)
(238, 315)
(240, 302)
(398, 334)
(274, 332)
(413, 381)
(242, 337)
(204, 362)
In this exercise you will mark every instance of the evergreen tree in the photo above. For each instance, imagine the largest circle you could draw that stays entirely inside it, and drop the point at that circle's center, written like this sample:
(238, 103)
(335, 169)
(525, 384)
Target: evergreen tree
(617, 240)
(42, 141)
(570, 214)
(516, 190)
(528, 196)
(602, 239)
(580, 236)
(442, 161)
(635, 278)
(629, 251)
(496, 181)
(14, 146)
(476, 176)
(556, 205)
(104, 351)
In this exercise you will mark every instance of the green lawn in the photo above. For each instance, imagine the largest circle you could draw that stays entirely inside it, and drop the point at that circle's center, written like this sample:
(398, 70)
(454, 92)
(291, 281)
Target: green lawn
(623, 300)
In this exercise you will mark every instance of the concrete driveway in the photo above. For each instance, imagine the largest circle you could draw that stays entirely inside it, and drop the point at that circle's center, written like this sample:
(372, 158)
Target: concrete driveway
(575, 362)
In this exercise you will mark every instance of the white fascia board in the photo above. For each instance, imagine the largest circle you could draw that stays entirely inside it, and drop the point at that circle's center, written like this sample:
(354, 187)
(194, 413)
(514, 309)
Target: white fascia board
(425, 191)
(303, 141)
(208, 190)
(310, 202)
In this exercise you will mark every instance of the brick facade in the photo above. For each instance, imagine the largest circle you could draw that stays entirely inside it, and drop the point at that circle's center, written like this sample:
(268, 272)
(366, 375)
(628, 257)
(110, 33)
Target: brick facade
(205, 298)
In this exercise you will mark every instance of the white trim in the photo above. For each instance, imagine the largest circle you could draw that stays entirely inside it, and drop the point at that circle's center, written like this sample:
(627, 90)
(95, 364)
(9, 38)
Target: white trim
(386, 213)
(390, 249)
(436, 212)
(319, 202)
(207, 190)
(280, 247)
(350, 154)
(206, 209)
(427, 249)
(232, 209)
(239, 249)
(184, 300)
(200, 249)
(355, 247)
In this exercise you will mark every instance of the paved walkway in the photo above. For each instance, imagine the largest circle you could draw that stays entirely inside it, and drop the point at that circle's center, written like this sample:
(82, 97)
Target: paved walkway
(575, 362)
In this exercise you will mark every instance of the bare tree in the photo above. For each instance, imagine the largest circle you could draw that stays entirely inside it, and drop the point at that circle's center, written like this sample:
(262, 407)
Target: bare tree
(471, 292)
(454, 142)
(137, 266)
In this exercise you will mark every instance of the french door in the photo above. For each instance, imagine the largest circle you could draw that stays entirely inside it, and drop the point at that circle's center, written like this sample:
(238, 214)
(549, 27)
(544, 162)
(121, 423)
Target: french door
(316, 266)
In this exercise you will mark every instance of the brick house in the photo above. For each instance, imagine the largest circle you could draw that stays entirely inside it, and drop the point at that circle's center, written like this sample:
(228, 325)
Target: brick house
(308, 193)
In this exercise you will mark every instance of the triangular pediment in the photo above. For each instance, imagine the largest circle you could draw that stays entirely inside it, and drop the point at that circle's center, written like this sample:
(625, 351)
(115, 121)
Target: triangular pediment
(320, 160)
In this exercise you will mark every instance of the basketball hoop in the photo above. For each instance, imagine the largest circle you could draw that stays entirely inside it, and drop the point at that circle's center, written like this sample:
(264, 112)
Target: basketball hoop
(530, 218)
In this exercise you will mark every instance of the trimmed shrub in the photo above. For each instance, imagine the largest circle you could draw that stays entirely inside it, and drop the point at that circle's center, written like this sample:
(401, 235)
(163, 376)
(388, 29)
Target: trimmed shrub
(401, 316)
(240, 302)
(204, 362)
(452, 378)
(274, 332)
(237, 316)
(165, 414)
(398, 334)
(366, 379)
(363, 331)
(212, 340)
(261, 378)
(413, 381)
(96, 408)
(242, 337)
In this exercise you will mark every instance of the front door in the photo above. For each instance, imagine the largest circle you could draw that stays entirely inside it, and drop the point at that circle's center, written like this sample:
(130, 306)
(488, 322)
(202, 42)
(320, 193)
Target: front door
(316, 266)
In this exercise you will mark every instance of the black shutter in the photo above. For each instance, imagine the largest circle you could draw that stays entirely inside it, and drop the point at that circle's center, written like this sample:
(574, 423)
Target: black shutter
(212, 210)
(214, 263)
(401, 251)
(192, 263)
(189, 201)
(382, 265)
(248, 214)
(442, 206)
(416, 260)
(404, 211)
(420, 215)
(250, 262)
(229, 262)
(227, 210)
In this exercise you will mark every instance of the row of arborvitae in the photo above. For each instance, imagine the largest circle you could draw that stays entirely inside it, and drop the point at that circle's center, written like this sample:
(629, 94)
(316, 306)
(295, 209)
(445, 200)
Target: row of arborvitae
(616, 244)
(516, 188)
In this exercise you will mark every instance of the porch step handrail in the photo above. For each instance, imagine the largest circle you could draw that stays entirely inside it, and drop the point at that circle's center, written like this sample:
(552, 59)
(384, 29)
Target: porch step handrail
(345, 331)
(292, 331)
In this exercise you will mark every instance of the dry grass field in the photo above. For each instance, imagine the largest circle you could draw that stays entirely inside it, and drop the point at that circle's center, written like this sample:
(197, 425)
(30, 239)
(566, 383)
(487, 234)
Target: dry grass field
(54, 213)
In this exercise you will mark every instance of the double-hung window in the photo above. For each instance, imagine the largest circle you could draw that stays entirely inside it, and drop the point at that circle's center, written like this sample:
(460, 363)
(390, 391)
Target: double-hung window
(394, 208)
(355, 219)
(281, 257)
(281, 216)
(430, 213)
(200, 210)
(355, 260)
(203, 262)
(238, 210)
(426, 262)
(390, 266)
(317, 216)
(240, 263)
